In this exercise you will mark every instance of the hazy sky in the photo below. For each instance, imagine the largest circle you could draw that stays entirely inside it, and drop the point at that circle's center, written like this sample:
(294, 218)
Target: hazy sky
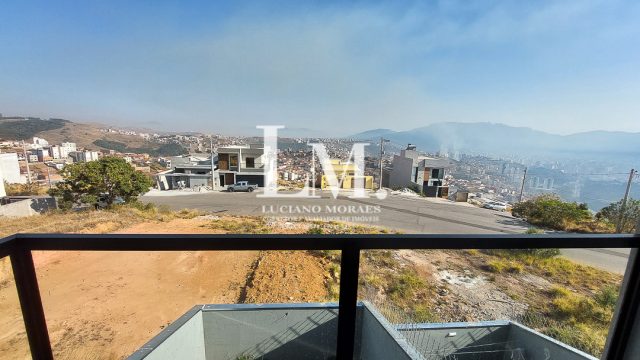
(558, 66)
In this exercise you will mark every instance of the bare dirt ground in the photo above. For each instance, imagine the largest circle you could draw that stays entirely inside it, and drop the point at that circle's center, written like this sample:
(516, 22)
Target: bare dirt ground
(104, 305)
(287, 276)
(463, 292)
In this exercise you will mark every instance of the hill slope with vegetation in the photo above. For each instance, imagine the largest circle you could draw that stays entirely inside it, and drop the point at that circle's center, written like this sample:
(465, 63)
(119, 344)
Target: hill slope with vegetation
(88, 136)
(20, 129)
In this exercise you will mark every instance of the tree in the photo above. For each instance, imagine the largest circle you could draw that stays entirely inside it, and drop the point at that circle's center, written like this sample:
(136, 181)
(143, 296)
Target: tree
(630, 217)
(110, 178)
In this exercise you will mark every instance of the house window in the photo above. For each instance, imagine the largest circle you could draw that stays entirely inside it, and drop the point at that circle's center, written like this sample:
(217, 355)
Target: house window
(435, 173)
(233, 160)
(251, 162)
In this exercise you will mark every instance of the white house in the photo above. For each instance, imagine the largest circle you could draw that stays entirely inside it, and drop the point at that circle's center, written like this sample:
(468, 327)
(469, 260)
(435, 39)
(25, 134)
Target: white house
(3, 193)
(39, 143)
(10, 168)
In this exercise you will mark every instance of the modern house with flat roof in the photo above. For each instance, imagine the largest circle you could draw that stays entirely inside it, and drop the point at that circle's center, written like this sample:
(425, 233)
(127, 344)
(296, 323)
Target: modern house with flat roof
(241, 163)
(412, 170)
(230, 165)
(189, 172)
(309, 331)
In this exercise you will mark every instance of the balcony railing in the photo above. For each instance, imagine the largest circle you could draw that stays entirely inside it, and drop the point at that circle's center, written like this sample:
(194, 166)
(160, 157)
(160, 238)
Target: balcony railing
(19, 247)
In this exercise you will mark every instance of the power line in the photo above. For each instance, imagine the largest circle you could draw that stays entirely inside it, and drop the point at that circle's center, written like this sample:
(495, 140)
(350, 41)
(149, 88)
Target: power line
(582, 174)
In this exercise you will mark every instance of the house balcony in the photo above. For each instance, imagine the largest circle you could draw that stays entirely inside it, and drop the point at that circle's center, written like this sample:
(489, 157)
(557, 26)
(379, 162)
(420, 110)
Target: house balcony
(350, 329)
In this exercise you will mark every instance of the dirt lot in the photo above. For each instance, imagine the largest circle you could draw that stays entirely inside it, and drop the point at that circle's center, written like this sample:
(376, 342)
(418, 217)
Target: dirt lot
(105, 304)
(287, 276)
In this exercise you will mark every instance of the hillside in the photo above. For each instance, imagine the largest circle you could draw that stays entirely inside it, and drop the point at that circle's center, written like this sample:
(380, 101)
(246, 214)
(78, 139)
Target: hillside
(23, 129)
(86, 136)
(152, 149)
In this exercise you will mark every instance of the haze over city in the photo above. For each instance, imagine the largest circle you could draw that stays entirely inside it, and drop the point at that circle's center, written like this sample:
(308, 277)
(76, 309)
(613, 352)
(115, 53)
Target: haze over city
(333, 68)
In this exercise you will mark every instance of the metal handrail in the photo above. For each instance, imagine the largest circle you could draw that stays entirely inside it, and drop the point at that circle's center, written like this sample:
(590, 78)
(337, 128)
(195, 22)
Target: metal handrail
(19, 246)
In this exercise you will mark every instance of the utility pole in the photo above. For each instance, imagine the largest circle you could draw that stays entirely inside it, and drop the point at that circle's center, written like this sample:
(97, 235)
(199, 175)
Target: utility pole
(524, 178)
(48, 176)
(213, 173)
(26, 161)
(624, 202)
(313, 171)
(382, 141)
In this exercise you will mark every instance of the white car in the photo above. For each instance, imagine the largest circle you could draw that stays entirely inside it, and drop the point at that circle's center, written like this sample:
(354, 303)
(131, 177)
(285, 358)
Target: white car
(494, 205)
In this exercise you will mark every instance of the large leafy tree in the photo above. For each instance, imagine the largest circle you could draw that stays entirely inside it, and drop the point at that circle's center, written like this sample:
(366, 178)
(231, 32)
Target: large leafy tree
(630, 215)
(110, 177)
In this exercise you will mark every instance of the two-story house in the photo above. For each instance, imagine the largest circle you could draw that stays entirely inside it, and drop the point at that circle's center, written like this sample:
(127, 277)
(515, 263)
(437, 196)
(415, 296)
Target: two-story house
(241, 163)
(410, 169)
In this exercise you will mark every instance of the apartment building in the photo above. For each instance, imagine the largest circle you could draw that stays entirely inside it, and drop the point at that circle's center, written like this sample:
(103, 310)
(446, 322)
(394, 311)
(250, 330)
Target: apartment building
(42, 154)
(66, 148)
(84, 156)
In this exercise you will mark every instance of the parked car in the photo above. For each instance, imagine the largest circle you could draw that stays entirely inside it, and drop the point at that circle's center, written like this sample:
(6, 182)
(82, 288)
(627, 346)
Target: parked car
(102, 202)
(494, 205)
(242, 186)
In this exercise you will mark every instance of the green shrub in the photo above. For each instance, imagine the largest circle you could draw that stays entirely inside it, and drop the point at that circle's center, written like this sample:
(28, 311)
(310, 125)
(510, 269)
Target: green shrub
(315, 230)
(568, 305)
(403, 285)
(534, 231)
(580, 336)
(607, 296)
(500, 266)
(538, 253)
(550, 211)
(422, 313)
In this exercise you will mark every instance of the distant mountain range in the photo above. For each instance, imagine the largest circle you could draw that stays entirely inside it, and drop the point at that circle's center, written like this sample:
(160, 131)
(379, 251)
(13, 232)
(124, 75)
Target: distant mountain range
(500, 140)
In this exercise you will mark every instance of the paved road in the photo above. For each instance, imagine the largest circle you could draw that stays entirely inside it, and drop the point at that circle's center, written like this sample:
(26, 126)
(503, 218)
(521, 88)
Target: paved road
(407, 214)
